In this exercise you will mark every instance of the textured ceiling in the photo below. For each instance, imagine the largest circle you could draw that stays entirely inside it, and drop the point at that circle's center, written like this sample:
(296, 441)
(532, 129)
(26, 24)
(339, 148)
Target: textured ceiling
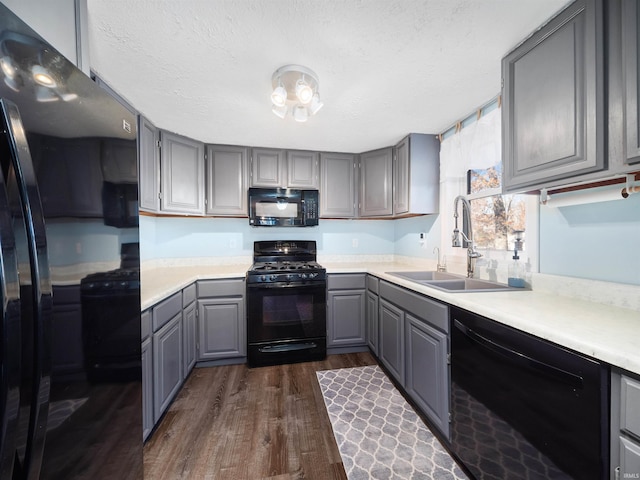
(202, 68)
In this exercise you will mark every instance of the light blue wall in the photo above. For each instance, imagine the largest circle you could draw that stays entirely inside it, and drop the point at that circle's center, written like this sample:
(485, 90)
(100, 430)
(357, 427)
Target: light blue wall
(407, 241)
(210, 237)
(595, 241)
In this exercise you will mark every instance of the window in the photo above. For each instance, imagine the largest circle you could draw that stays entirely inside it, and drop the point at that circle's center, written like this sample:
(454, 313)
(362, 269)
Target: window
(496, 218)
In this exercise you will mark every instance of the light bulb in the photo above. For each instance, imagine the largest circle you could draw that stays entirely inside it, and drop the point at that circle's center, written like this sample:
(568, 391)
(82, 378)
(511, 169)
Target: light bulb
(279, 96)
(279, 111)
(300, 114)
(303, 92)
(316, 104)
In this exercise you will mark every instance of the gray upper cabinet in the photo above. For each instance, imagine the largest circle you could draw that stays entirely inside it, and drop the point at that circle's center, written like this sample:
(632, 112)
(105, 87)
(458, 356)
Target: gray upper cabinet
(416, 175)
(337, 185)
(267, 167)
(553, 101)
(630, 75)
(226, 180)
(303, 169)
(182, 174)
(149, 168)
(284, 169)
(376, 183)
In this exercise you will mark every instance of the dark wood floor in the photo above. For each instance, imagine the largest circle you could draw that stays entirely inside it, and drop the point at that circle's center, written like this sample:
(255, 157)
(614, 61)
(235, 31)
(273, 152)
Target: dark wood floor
(232, 422)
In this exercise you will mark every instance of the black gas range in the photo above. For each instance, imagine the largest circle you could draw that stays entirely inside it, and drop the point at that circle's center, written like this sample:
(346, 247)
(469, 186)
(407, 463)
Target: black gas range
(286, 298)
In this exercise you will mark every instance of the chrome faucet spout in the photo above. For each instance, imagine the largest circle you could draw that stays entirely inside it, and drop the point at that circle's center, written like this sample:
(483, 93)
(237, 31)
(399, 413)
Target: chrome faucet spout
(472, 252)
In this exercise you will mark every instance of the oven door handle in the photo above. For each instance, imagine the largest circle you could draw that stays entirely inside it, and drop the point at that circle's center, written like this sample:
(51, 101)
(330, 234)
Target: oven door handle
(559, 374)
(289, 347)
(285, 285)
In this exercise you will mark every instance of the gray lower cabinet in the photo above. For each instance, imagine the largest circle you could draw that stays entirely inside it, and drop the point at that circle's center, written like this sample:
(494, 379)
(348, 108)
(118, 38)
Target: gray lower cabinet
(346, 310)
(625, 425)
(553, 101)
(372, 313)
(147, 388)
(221, 319)
(189, 336)
(182, 174)
(414, 346)
(391, 348)
(426, 376)
(338, 185)
(226, 183)
(149, 165)
(167, 364)
(376, 183)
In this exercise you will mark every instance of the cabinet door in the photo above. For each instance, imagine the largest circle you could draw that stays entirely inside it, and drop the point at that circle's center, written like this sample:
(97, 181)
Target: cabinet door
(222, 328)
(226, 180)
(631, 78)
(182, 173)
(147, 388)
(391, 345)
(629, 458)
(553, 99)
(345, 318)
(189, 332)
(376, 187)
(149, 159)
(427, 374)
(401, 178)
(337, 185)
(267, 167)
(372, 321)
(167, 364)
(302, 169)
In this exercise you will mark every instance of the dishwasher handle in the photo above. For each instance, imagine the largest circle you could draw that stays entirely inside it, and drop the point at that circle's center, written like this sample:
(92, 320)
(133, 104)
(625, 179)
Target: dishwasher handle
(575, 381)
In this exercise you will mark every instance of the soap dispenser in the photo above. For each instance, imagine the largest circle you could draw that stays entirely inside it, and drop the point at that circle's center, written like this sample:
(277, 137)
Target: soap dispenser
(516, 272)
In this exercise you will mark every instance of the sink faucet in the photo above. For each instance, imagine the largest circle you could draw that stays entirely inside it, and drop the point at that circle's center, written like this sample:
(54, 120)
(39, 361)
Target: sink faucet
(472, 252)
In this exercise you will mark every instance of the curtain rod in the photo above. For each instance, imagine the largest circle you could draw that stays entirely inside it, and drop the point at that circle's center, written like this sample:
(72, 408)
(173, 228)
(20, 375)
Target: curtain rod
(469, 119)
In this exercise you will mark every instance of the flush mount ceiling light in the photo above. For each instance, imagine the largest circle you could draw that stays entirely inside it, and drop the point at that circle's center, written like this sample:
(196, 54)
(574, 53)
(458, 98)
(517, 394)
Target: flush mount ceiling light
(295, 90)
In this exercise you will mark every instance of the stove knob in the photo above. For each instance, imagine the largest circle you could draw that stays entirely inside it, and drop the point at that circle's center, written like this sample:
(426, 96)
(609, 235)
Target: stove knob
(289, 276)
(263, 278)
(273, 278)
(313, 275)
(303, 276)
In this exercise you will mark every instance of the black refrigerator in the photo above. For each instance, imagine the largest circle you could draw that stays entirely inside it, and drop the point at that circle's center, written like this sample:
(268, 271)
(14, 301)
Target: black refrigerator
(70, 377)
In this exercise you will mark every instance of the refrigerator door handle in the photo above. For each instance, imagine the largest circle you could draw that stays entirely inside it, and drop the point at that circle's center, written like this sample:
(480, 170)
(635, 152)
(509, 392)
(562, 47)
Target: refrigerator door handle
(10, 337)
(41, 300)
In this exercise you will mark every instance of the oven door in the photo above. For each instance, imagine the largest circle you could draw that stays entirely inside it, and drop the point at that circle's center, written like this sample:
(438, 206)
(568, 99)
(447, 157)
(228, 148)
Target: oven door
(286, 322)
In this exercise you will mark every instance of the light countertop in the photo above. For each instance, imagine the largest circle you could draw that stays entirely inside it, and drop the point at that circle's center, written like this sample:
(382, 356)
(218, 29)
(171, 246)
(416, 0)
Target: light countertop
(609, 333)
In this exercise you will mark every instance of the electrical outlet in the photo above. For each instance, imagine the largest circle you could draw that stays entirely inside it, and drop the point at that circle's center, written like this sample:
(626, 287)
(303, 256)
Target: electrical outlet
(354, 243)
(422, 238)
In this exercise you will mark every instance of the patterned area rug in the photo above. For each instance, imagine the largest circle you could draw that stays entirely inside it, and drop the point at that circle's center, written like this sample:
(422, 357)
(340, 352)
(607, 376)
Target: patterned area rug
(378, 433)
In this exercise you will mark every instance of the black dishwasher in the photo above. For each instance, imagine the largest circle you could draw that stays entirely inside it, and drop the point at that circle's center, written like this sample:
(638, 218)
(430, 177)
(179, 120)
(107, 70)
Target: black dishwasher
(523, 407)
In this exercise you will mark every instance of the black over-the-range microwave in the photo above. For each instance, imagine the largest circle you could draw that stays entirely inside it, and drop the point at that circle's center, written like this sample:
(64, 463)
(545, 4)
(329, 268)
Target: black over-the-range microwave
(283, 207)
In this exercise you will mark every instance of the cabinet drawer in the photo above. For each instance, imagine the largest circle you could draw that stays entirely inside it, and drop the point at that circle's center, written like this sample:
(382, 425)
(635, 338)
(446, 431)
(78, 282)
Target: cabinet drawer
(435, 313)
(188, 295)
(346, 281)
(630, 405)
(372, 284)
(145, 325)
(166, 310)
(221, 288)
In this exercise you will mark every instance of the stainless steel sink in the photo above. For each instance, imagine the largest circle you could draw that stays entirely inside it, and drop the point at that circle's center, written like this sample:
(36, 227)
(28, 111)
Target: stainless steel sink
(427, 275)
(450, 282)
